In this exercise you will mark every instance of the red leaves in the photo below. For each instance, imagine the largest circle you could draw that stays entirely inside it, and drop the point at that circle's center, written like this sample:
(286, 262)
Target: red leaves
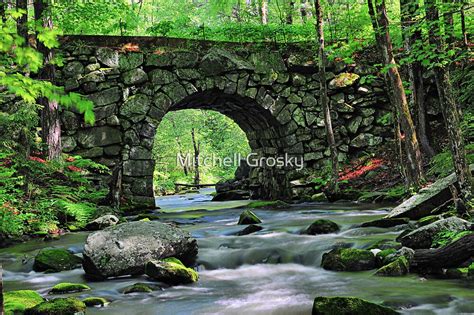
(358, 171)
(130, 47)
(74, 168)
(37, 159)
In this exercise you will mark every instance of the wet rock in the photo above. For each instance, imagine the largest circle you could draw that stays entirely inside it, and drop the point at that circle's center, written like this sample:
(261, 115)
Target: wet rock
(232, 195)
(321, 226)
(250, 229)
(16, 302)
(66, 287)
(95, 301)
(386, 222)
(276, 204)
(399, 267)
(348, 306)
(124, 249)
(348, 259)
(248, 217)
(141, 288)
(55, 260)
(102, 222)
(58, 306)
(427, 199)
(319, 197)
(170, 271)
(423, 236)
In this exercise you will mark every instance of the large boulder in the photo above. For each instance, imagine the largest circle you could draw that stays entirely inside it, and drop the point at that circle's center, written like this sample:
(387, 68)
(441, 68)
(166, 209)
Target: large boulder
(125, 249)
(386, 222)
(232, 195)
(248, 217)
(348, 259)
(399, 267)
(170, 271)
(423, 236)
(348, 306)
(426, 200)
(56, 260)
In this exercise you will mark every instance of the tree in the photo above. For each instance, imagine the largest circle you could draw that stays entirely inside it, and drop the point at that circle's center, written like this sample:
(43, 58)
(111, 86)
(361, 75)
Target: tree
(51, 126)
(411, 34)
(264, 11)
(196, 147)
(398, 97)
(450, 109)
(333, 186)
(22, 22)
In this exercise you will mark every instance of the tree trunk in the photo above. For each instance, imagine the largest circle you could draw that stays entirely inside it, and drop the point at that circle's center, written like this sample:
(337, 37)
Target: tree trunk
(22, 22)
(411, 34)
(398, 96)
(463, 24)
(449, 256)
(289, 15)
(451, 111)
(2, 11)
(333, 186)
(196, 147)
(448, 8)
(264, 12)
(180, 151)
(304, 13)
(51, 126)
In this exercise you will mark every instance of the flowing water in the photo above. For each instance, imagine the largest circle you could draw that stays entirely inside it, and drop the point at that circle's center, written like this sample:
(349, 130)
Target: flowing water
(274, 271)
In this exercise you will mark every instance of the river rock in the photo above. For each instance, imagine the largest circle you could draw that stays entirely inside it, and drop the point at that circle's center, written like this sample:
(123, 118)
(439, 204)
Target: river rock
(170, 271)
(248, 217)
(252, 228)
(321, 226)
(102, 222)
(348, 306)
(95, 301)
(56, 260)
(16, 302)
(68, 305)
(124, 249)
(427, 199)
(399, 267)
(348, 259)
(423, 236)
(140, 287)
(66, 287)
(232, 195)
(386, 222)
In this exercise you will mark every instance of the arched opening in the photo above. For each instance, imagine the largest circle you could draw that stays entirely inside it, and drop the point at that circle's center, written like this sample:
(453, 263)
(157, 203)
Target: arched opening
(196, 147)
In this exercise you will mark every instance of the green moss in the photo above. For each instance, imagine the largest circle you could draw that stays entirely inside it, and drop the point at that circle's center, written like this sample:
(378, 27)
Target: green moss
(446, 237)
(382, 255)
(141, 288)
(63, 306)
(171, 271)
(16, 302)
(428, 220)
(55, 259)
(348, 306)
(276, 204)
(348, 259)
(385, 244)
(67, 287)
(149, 216)
(95, 301)
(248, 217)
(344, 79)
(399, 267)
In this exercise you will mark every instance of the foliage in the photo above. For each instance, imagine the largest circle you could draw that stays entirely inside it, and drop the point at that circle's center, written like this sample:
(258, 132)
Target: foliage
(446, 237)
(39, 197)
(218, 136)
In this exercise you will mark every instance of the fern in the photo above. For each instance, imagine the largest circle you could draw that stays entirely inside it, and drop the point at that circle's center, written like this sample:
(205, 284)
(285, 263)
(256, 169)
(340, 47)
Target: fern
(82, 212)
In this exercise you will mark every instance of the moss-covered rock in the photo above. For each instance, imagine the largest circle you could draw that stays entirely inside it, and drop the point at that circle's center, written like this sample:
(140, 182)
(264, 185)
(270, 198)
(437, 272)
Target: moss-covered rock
(55, 260)
(16, 302)
(319, 197)
(66, 287)
(457, 273)
(95, 301)
(383, 257)
(321, 226)
(252, 228)
(275, 204)
(385, 244)
(170, 271)
(141, 288)
(386, 222)
(428, 220)
(248, 217)
(399, 267)
(60, 306)
(348, 259)
(348, 306)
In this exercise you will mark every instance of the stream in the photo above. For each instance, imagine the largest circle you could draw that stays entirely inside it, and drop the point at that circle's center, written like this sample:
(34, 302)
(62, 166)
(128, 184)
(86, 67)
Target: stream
(273, 271)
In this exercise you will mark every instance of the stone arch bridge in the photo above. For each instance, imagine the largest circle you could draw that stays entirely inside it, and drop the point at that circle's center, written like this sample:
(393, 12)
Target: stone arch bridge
(270, 92)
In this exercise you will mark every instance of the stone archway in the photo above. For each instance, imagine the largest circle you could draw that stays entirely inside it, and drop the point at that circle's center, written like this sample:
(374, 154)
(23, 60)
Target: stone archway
(272, 95)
